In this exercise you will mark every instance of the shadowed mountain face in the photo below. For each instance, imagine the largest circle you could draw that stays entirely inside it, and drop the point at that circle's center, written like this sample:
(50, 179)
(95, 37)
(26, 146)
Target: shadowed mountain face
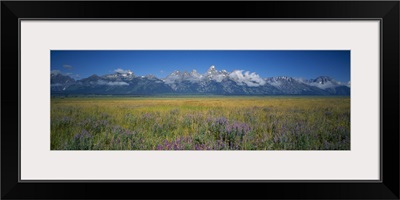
(212, 82)
(59, 82)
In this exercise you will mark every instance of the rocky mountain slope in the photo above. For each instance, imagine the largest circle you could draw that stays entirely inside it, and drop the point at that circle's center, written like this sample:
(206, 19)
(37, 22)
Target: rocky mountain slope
(213, 81)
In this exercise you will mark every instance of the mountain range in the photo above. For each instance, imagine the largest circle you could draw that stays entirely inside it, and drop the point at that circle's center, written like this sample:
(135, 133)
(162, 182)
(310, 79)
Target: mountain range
(213, 81)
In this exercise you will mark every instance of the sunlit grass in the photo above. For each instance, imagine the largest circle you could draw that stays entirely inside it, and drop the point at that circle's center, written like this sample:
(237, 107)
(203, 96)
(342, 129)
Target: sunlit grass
(201, 123)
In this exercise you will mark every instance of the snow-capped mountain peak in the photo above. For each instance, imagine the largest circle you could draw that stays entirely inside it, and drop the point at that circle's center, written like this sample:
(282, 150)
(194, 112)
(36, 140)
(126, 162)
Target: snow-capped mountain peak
(236, 82)
(214, 75)
(323, 82)
(194, 73)
(282, 78)
(120, 74)
(194, 76)
(212, 71)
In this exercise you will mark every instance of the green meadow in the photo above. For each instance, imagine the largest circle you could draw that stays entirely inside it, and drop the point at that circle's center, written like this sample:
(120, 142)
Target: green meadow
(200, 123)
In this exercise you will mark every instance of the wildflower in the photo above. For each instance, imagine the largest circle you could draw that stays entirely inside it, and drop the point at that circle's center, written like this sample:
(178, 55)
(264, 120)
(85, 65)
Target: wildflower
(82, 135)
(221, 121)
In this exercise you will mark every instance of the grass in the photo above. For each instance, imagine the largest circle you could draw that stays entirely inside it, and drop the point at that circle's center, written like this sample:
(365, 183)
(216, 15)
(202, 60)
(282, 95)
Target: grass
(200, 123)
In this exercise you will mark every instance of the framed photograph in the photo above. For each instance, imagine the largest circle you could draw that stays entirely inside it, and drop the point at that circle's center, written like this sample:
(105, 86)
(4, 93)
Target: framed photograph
(288, 96)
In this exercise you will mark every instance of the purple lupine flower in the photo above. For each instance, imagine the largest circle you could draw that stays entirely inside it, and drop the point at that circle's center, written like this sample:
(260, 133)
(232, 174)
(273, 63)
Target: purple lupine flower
(180, 143)
(229, 128)
(82, 135)
(221, 121)
(238, 128)
(77, 136)
(104, 123)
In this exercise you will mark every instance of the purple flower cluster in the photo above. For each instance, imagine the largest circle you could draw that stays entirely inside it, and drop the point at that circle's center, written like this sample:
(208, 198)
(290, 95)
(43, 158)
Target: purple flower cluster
(221, 145)
(180, 143)
(87, 121)
(120, 130)
(63, 121)
(229, 132)
(94, 124)
(237, 128)
(99, 125)
(219, 121)
(82, 135)
(202, 147)
(191, 118)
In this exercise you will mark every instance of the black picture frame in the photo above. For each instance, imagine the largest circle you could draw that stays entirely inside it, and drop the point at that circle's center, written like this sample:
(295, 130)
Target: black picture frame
(386, 11)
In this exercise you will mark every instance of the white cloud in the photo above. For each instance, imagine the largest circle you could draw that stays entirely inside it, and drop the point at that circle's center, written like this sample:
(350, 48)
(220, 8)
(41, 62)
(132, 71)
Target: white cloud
(58, 72)
(111, 83)
(117, 83)
(301, 80)
(56, 85)
(122, 71)
(323, 86)
(55, 72)
(219, 77)
(250, 79)
(67, 66)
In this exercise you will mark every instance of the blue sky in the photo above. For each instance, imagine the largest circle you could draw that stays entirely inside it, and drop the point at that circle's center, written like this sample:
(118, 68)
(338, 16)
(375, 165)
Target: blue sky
(267, 63)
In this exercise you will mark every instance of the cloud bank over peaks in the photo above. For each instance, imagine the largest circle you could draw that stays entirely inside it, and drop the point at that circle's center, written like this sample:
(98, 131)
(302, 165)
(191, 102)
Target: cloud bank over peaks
(250, 79)
(122, 71)
(58, 72)
(212, 74)
(111, 83)
(55, 72)
(212, 81)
